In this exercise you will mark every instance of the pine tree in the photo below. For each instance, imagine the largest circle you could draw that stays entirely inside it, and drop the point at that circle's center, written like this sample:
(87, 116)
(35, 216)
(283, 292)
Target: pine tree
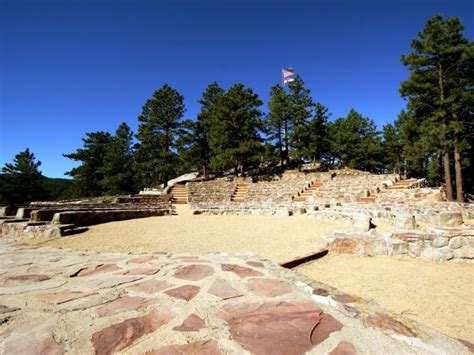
(392, 148)
(278, 121)
(158, 132)
(234, 135)
(22, 181)
(118, 165)
(194, 146)
(441, 79)
(302, 107)
(319, 141)
(356, 142)
(89, 173)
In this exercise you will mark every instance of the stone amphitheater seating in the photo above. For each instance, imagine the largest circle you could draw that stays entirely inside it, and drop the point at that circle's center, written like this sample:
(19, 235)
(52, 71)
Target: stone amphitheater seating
(46, 219)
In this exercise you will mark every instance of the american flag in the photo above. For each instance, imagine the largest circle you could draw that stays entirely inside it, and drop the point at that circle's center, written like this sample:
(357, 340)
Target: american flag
(288, 75)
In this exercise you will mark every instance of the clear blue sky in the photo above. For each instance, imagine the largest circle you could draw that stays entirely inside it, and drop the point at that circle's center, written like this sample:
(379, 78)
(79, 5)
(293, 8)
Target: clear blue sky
(68, 67)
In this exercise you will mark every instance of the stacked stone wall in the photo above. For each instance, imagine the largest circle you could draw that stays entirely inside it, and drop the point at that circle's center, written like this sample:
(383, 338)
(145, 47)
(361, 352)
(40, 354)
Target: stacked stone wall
(214, 192)
(437, 244)
(347, 188)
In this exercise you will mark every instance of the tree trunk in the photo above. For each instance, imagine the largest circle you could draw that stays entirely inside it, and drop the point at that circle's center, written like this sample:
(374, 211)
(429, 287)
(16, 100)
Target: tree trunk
(280, 144)
(242, 168)
(447, 175)
(204, 171)
(458, 171)
(287, 156)
(446, 163)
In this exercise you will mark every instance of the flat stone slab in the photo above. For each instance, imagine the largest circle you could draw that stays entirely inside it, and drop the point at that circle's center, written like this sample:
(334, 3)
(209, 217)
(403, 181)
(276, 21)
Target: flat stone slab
(186, 292)
(194, 272)
(269, 287)
(33, 339)
(54, 301)
(150, 286)
(119, 336)
(63, 297)
(122, 304)
(222, 289)
(278, 327)
(191, 324)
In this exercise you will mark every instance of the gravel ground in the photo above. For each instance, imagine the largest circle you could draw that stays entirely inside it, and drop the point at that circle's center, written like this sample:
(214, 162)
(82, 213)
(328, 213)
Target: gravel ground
(437, 294)
(276, 238)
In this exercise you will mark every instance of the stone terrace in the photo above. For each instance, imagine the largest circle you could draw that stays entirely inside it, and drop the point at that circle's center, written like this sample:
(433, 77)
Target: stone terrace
(55, 301)
(49, 219)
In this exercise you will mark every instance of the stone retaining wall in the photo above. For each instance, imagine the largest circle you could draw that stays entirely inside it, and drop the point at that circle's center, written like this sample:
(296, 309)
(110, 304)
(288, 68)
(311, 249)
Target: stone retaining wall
(439, 244)
(87, 218)
(434, 213)
(216, 191)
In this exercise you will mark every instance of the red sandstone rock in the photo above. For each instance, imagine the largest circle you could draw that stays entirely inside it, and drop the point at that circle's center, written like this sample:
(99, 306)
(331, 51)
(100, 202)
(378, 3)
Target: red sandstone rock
(321, 292)
(28, 278)
(191, 324)
(358, 245)
(468, 345)
(255, 263)
(186, 292)
(32, 340)
(97, 269)
(121, 335)
(142, 271)
(122, 304)
(206, 347)
(107, 282)
(222, 289)
(386, 322)
(66, 296)
(344, 348)
(240, 270)
(150, 286)
(269, 287)
(327, 325)
(278, 327)
(194, 272)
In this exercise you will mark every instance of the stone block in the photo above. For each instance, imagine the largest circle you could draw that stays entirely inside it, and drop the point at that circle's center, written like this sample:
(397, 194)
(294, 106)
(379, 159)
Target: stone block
(464, 252)
(414, 250)
(399, 247)
(361, 223)
(450, 218)
(456, 242)
(405, 221)
(440, 242)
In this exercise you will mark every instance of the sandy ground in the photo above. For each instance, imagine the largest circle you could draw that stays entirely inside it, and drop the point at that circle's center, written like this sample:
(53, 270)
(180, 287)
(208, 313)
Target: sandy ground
(277, 238)
(440, 295)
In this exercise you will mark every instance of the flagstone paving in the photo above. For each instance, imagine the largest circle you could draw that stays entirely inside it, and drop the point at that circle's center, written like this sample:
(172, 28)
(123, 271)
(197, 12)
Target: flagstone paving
(55, 301)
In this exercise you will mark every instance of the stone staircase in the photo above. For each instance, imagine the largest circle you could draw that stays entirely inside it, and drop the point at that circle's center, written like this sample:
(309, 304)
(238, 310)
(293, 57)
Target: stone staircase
(399, 185)
(367, 199)
(179, 193)
(240, 192)
(402, 184)
(303, 195)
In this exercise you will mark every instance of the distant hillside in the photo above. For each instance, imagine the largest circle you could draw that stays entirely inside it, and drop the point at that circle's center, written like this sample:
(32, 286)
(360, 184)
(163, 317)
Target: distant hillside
(58, 188)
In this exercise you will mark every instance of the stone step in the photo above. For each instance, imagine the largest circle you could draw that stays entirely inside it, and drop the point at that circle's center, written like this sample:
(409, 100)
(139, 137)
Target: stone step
(368, 199)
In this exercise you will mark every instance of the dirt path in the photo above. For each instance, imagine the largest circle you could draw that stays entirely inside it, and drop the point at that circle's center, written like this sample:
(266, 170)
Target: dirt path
(437, 294)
